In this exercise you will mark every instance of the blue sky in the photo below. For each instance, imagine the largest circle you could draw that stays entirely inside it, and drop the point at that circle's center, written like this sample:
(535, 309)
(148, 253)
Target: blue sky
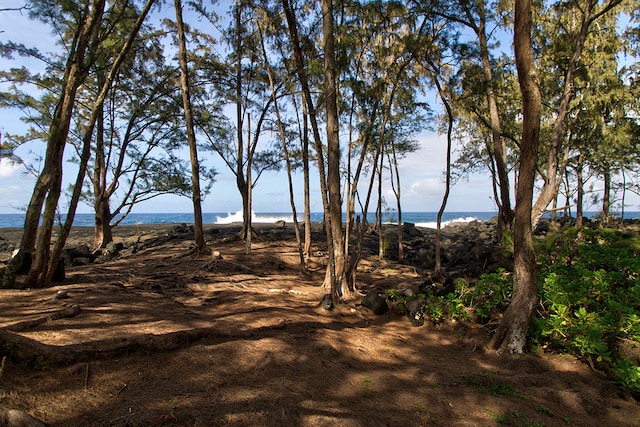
(421, 172)
(421, 179)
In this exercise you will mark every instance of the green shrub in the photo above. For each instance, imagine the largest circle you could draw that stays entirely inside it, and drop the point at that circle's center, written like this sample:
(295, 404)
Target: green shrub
(589, 298)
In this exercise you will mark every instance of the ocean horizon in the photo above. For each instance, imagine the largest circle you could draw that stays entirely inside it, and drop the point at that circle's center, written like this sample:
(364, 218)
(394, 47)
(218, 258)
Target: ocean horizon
(420, 219)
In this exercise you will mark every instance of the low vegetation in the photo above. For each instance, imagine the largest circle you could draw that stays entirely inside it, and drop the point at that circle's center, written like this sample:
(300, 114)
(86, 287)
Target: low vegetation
(589, 300)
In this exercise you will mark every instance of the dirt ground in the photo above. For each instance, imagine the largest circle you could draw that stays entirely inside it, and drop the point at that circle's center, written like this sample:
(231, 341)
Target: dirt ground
(164, 339)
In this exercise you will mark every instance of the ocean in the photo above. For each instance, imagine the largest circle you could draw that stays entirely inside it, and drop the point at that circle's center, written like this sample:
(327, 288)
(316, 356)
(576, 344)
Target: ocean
(421, 219)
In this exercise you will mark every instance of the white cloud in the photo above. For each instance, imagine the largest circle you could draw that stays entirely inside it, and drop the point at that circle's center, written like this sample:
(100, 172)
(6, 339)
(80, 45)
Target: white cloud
(9, 169)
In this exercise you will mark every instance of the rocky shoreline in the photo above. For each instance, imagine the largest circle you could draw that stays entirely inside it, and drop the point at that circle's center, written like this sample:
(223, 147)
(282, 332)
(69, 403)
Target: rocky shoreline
(467, 248)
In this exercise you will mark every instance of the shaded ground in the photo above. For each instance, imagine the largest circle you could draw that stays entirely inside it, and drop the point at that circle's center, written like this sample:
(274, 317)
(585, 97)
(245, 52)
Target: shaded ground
(251, 346)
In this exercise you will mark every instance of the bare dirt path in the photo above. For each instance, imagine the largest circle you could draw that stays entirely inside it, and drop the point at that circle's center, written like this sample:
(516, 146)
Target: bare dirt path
(165, 339)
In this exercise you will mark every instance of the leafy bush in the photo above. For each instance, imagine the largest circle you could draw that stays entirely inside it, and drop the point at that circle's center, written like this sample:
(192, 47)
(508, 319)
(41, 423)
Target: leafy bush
(491, 294)
(589, 298)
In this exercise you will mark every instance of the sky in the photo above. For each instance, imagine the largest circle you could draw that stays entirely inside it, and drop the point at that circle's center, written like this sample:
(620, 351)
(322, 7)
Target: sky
(422, 183)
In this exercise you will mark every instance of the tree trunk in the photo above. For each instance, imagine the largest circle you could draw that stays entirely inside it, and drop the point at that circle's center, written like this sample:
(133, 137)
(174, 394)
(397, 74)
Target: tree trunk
(397, 192)
(241, 181)
(512, 332)
(379, 225)
(606, 195)
(200, 245)
(307, 192)
(333, 152)
(505, 213)
(306, 93)
(247, 225)
(447, 187)
(49, 183)
(102, 231)
(580, 192)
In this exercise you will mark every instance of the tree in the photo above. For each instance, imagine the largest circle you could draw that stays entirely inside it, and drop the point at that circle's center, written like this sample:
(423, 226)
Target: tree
(46, 278)
(85, 30)
(134, 157)
(333, 209)
(200, 245)
(477, 16)
(572, 25)
(512, 332)
(84, 21)
(243, 84)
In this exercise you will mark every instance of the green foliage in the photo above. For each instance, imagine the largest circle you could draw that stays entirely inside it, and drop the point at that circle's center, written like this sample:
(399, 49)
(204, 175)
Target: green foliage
(590, 294)
(491, 294)
(589, 298)
(627, 373)
(368, 390)
(436, 308)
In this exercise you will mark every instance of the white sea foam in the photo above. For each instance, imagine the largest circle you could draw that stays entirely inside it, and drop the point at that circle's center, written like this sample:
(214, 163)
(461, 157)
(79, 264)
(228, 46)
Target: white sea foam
(236, 217)
(255, 218)
(434, 224)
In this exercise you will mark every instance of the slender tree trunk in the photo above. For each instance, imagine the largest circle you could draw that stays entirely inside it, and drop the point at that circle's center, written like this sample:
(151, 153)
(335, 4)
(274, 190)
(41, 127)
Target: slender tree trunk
(580, 192)
(606, 195)
(249, 206)
(567, 199)
(512, 332)
(307, 191)
(285, 150)
(505, 213)
(200, 245)
(447, 187)
(354, 259)
(379, 225)
(397, 191)
(306, 92)
(49, 183)
(241, 182)
(333, 152)
(624, 194)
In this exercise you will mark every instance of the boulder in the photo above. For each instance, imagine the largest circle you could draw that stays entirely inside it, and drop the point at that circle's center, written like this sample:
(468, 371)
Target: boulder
(375, 303)
(72, 255)
(21, 262)
(415, 311)
(7, 277)
(327, 302)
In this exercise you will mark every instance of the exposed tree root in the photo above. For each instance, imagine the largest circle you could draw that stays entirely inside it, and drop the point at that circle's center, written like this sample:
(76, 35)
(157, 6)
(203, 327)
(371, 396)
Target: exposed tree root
(72, 311)
(34, 353)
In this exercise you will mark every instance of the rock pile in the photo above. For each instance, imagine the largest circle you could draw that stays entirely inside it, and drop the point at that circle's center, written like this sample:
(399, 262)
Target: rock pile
(471, 247)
